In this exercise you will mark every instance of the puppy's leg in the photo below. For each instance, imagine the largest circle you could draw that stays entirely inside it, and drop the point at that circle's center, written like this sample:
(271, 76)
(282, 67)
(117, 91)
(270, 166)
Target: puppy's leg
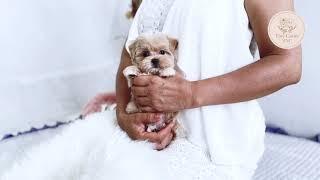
(130, 72)
(164, 121)
(132, 107)
(169, 72)
(154, 127)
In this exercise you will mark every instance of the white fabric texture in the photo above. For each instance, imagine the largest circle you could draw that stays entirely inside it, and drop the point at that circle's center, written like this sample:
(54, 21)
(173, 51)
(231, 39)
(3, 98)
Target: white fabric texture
(50, 51)
(285, 158)
(96, 148)
(289, 158)
(214, 39)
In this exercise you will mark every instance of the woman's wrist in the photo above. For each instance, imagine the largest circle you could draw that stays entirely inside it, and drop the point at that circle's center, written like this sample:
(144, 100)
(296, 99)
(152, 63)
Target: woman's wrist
(121, 116)
(120, 112)
(194, 95)
(208, 92)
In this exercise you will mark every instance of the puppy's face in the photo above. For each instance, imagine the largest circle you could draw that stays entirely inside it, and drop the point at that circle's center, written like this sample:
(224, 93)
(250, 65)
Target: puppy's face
(153, 53)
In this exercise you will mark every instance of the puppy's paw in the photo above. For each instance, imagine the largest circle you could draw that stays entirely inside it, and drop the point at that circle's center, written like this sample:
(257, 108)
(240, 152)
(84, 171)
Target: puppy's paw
(131, 71)
(132, 108)
(169, 72)
(151, 128)
(155, 127)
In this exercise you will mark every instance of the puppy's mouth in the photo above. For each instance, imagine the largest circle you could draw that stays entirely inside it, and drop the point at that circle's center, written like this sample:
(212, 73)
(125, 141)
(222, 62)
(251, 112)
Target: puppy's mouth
(153, 66)
(156, 67)
(154, 71)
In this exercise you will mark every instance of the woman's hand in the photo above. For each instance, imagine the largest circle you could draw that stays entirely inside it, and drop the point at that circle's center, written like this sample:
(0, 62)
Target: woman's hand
(135, 126)
(94, 105)
(156, 94)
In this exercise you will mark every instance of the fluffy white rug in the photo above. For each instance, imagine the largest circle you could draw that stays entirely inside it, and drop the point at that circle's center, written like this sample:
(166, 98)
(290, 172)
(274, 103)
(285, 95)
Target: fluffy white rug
(97, 148)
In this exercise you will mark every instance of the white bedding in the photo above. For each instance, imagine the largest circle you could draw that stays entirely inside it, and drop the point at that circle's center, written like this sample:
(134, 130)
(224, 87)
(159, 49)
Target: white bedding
(14, 149)
(96, 148)
(285, 158)
(289, 158)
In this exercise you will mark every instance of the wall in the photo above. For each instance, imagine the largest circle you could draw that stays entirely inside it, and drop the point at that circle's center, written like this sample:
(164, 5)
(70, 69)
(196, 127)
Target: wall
(55, 55)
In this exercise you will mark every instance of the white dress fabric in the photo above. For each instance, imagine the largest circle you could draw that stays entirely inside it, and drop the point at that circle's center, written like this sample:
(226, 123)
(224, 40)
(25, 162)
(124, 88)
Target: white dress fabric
(96, 148)
(214, 39)
(224, 142)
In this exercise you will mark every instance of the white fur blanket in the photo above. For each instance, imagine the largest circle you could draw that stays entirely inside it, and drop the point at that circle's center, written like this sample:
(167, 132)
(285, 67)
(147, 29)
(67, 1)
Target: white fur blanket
(97, 148)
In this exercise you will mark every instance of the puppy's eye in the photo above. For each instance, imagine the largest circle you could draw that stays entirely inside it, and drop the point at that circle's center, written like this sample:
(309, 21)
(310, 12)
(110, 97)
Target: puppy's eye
(162, 52)
(146, 53)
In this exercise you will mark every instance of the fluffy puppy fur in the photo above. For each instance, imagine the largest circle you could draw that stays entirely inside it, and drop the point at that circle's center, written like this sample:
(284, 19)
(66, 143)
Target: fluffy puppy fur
(152, 55)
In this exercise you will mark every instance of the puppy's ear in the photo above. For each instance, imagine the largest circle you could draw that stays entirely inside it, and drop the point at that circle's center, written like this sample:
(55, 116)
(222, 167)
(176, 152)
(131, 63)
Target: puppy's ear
(173, 44)
(132, 48)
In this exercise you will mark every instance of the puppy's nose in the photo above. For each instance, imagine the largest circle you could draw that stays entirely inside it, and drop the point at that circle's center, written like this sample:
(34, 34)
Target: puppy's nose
(155, 63)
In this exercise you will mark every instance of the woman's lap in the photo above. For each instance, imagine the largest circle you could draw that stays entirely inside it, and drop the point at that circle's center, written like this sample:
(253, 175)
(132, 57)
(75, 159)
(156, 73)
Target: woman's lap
(97, 147)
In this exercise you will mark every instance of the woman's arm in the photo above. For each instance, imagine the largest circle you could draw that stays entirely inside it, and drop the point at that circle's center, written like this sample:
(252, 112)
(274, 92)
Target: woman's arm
(122, 91)
(276, 69)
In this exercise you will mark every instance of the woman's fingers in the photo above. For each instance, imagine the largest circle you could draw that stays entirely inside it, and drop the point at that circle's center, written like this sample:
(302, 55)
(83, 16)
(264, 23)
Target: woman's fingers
(141, 81)
(148, 118)
(148, 109)
(166, 141)
(94, 105)
(136, 124)
(143, 101)
(110, 98)
(168, 138)
(89, 109)
(160, 136)
(139, 91)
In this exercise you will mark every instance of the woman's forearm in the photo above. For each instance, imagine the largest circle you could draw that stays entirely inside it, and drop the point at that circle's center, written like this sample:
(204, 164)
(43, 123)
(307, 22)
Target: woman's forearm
(277, 68)
(122, 90)
(259, 79)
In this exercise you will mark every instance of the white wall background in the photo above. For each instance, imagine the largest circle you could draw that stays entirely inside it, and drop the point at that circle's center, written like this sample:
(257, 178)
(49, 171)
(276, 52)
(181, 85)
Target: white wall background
(54, 56)
(298, 107)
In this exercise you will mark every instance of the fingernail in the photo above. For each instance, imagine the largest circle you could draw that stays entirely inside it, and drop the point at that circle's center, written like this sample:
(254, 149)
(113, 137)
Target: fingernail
(158, 116)
(154, 145)
(161, 116)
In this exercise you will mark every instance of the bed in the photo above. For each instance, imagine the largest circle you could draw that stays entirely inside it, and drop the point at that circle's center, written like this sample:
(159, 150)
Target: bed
(285, 158)
(289, 158)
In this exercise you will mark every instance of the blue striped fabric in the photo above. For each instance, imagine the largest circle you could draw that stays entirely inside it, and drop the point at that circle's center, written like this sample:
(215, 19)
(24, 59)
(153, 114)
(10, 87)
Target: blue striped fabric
(278, 130)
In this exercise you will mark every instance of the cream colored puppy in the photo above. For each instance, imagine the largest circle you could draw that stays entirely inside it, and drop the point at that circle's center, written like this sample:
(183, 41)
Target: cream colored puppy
(152, 55)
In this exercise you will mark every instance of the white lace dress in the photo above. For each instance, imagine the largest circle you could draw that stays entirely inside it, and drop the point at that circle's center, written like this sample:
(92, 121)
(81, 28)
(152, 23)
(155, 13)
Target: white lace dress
(218, 144)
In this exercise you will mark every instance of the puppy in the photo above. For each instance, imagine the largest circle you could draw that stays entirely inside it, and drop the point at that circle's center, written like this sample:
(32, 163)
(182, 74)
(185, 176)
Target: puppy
(153, 55)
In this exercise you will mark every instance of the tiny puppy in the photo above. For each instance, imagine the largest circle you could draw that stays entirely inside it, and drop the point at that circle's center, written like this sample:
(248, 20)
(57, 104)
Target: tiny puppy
(153, 55)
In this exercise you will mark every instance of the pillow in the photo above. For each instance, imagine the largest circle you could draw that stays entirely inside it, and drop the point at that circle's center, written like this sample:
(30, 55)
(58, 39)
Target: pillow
(54, 57)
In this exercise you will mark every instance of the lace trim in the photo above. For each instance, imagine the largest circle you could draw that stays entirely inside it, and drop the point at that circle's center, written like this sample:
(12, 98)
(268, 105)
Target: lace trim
(152, 18)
